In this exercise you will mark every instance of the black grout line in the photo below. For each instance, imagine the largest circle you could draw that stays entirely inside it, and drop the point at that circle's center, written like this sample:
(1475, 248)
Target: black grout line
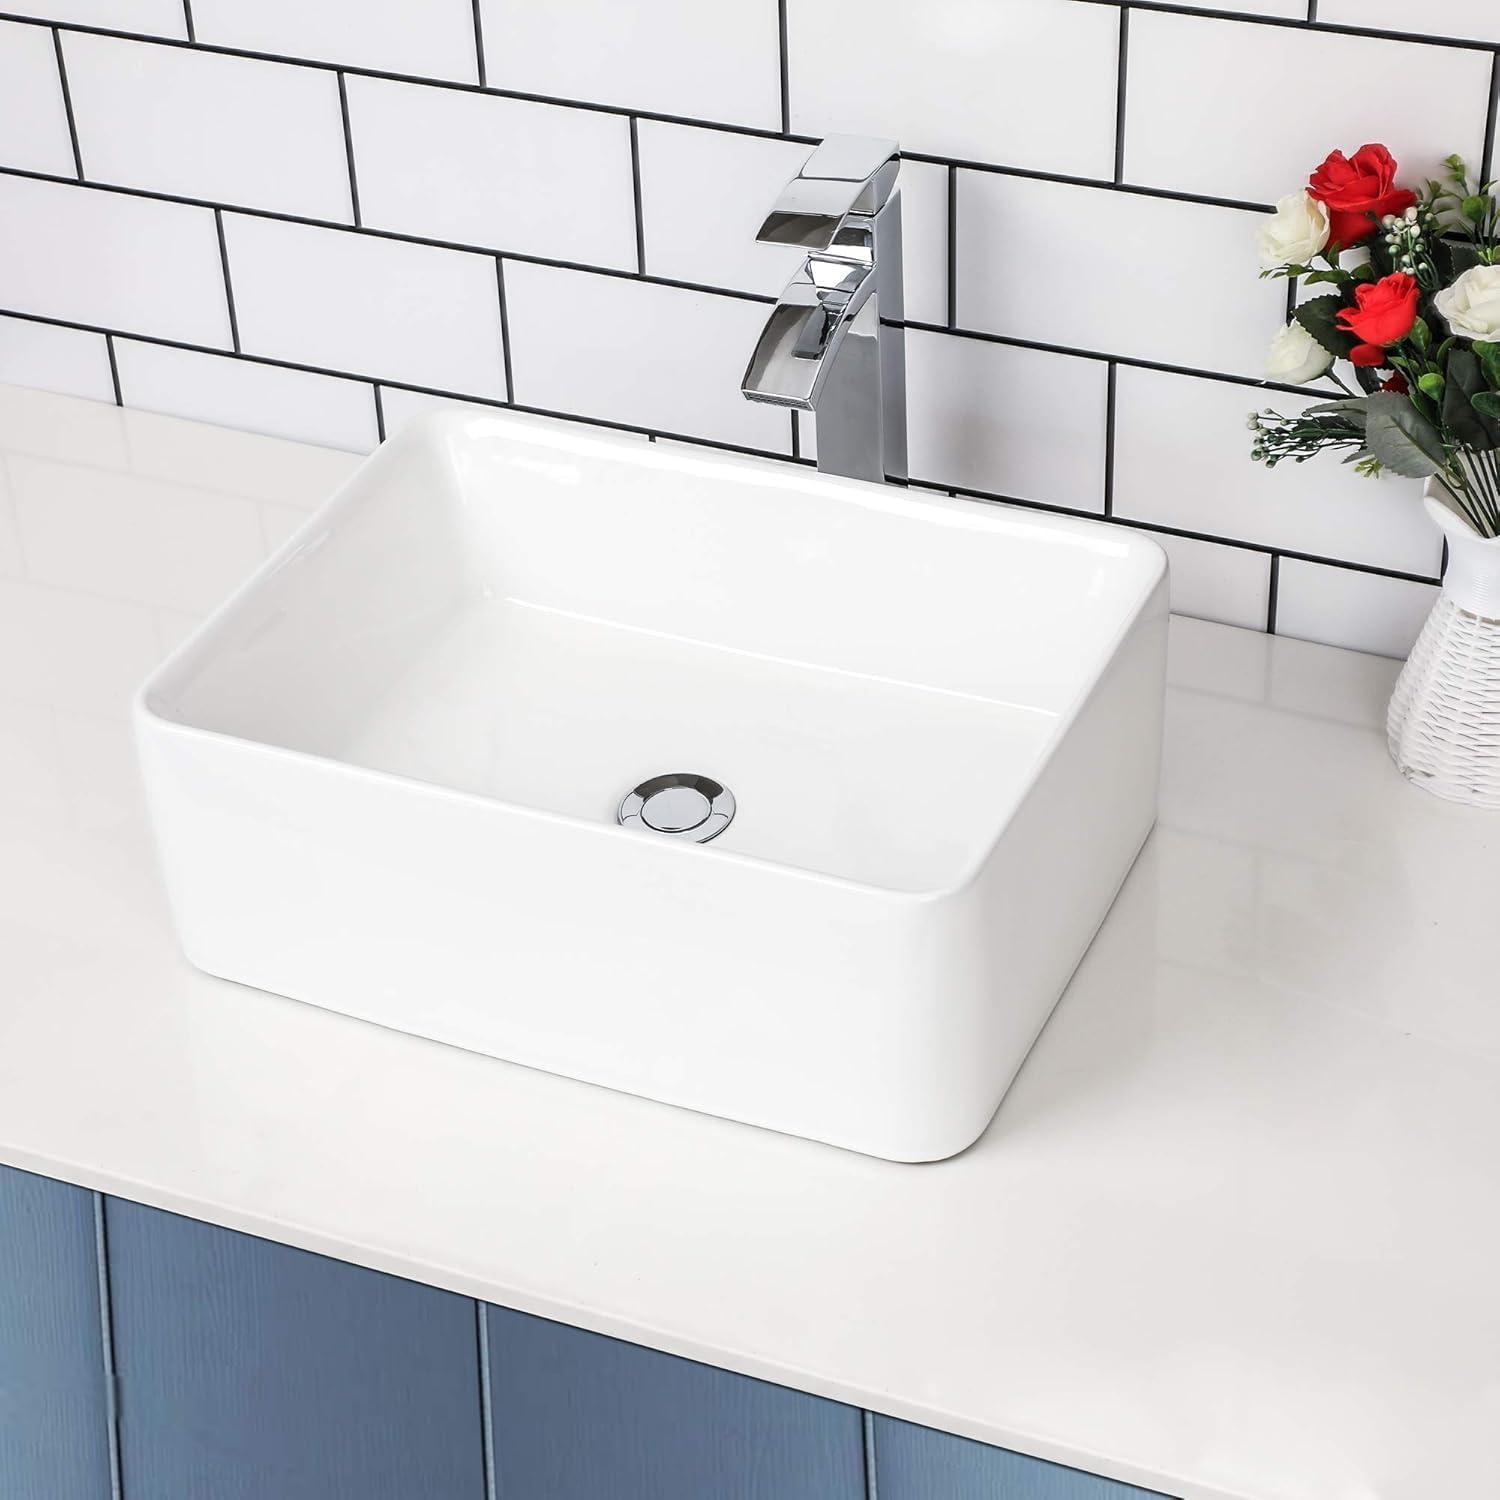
(1312, 13)
(1111, 381)
(379, 411)
(786, 69)
(635, 187)
(952, 247)
(114, 368)
(510, 380)
(486, 1414)
(234, 322)
(1120, 94)
(1487, 165)
(479, 46)
(107, 1344)
(187, 20)
(67, 99)
(349, 151)
(1299, 23)
(1273, 591)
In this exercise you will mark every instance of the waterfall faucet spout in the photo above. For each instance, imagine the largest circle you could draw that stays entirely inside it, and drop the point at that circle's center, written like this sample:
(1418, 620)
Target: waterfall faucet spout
(833, 344)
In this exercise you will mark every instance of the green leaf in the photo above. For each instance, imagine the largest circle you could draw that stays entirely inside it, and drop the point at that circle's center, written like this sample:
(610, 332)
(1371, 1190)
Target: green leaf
(1468, 427)
(1317, 316)
(1350, 409)
(1486, 403)
(1432, 385)
(1474, 209)
(1401, 438)
(1489, 361)
(1421, 335)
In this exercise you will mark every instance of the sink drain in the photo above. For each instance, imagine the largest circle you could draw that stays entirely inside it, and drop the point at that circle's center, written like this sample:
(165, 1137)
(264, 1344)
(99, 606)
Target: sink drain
(680, 805)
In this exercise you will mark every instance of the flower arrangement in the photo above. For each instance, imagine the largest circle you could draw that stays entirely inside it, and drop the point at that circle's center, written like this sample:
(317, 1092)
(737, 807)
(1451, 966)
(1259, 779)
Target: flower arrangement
(1413, 306)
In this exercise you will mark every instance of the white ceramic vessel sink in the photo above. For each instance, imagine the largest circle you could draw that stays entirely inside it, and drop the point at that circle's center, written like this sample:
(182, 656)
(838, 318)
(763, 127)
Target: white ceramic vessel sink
(385, 776)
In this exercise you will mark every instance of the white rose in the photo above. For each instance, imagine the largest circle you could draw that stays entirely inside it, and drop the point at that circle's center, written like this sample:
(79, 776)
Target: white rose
(1471, 306)
(1296, 357)
(1296, 232)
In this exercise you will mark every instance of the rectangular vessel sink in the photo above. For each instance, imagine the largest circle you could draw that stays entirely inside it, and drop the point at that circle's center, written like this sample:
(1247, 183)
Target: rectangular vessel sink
(385, 776)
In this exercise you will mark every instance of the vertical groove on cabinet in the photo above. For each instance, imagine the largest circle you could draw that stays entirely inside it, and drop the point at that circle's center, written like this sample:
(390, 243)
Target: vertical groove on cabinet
(867, 1430)
(107, 1344)
(486, 1415)
(578, 1416)
(53, 1411)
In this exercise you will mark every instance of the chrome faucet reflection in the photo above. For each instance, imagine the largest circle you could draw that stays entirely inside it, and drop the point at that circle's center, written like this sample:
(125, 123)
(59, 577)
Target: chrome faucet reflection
(834, 344)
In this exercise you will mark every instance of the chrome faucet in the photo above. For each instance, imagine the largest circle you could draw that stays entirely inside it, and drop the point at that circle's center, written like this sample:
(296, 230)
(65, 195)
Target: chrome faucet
(834, 344)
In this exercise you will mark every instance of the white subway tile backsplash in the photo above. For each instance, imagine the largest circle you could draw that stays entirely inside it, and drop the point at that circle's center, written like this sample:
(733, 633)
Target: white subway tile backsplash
(52, 358)
(1122, 273)
(197, 125)
(12, 564)
(924, 240)
(1028, 83)
(1182, 459)
(628, 351)
(1340, 607)
(1222, 127)
(1211, 581)
(476, 169)
(1467, 20)
(33, 121)
(108, 259)
(238, 393)
(401, 406)
(1018, 422)
(150, 17)
(424, 38)
(119, 536)
(1287, 10)
(716, 61)
(378, 308)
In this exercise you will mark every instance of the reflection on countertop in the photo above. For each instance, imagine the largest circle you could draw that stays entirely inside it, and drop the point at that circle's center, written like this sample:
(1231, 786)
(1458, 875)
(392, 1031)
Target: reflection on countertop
(1232, 1234)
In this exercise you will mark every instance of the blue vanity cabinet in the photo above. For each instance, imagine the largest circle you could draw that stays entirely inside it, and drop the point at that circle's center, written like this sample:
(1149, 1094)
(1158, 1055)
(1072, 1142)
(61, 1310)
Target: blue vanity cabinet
(54, 1421)
(916, 1463)
(577, 1416)
(252, 1371)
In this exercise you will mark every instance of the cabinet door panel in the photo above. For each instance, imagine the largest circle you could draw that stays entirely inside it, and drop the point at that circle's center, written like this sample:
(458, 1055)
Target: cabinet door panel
(252, 1371)
(54, 1419)
(581, 1417)
(916, 1463)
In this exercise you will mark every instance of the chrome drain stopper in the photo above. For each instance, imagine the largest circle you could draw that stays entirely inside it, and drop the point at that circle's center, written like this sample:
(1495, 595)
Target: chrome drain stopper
(680, 805)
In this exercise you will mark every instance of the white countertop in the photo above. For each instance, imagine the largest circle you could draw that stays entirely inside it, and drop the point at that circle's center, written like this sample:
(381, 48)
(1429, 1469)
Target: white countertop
(1235, 1232)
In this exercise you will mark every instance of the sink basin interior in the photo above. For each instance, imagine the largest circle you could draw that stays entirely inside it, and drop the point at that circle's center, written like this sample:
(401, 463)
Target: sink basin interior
(546, 619)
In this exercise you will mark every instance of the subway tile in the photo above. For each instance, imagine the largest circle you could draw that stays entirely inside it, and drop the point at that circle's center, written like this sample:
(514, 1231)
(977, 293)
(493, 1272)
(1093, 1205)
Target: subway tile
(33, 121)
(424, 38)
(119, 536)
(196, 125)
(1211, 581)
(1018, 422)
(66, 360)
(1027, 83)
(12, 563)
(377, 308)
(1340, 607)
(535, 179)
(1466, 20)
(718, 61)
(240, 393)
(1182, 459)
(924, 240)
(1217, 127)
(629, 351)
(1119, 273)
(132, 264)
(150, 17)
(1290, 10)
(400, 406)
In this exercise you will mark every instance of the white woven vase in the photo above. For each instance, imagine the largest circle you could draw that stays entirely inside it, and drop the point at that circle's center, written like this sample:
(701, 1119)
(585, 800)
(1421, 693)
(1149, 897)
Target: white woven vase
(1443, 726)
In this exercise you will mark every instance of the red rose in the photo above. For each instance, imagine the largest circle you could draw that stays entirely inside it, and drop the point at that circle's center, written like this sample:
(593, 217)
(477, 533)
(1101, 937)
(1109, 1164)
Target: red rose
(1368, 356)
(1396, 385)
(1358, 192)
(1383, 310)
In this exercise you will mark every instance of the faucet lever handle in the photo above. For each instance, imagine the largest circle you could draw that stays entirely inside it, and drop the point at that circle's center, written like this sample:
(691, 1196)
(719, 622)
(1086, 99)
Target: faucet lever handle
(847, 174)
